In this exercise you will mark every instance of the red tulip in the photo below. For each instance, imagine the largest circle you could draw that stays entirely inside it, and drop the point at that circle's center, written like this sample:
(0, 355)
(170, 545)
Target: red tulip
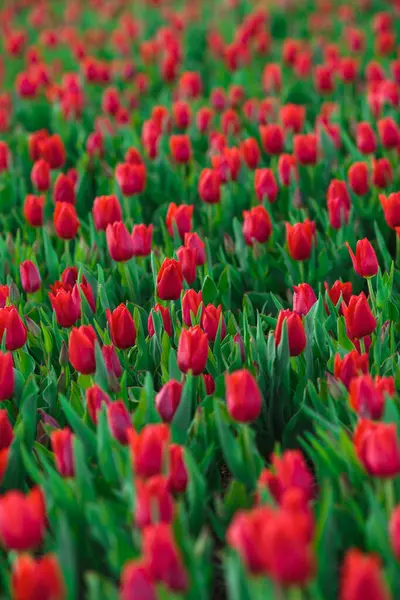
(6, 430)
(22, 519)
(292, 117)
(352, 365)
(122, 327)
(192, 350)
(365, 398)
(52, 151)
(389, 133)
(33, 210)
(287, 168)
(142, 239)
(64, 189)
(178, 475)
(95, 398)
(182, 114)
(40, 175)
(163, 558)
(5, 156)
(106, 211)
(289, 471)
(12, 326)
(35, 140)
(385, 385)
(210, 319)
(193, 241)
(180, 217)
(191, 301)
(272, 138)
(119, 242)
(244, 536)
(295, 330)
(391, 208)
(265, 185)
(209, 384)
(305, 148)
(394, 531)
(257, 226)
(243, 396)
(358, 178)
(166, 319)
(81, 349)
(360, 321)
(338, 190)
(111, 361)
(187, 260)
(377, 447)
(148, 449)
(339, 289)
(382, 173)
(168, 399)
(338, 212)
(272, 77)
(204, 118)
(180, 148)
(361, 576)
(304, 298)
(136, 582)
(66, 221)
(30, 277)
(34, 578)
(153, 502)
(66, 304)
(365, 138)
(130, 178)
(209, 186)
(365, 262)
(6, 384)
(4, 295)
(300, 239)
(324, 79)
(250, 152)
(119, 421)
(61, 443)
(169, 280)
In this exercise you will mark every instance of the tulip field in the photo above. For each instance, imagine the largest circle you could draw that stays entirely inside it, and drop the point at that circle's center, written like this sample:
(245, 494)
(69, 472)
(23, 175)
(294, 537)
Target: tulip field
(199, 300)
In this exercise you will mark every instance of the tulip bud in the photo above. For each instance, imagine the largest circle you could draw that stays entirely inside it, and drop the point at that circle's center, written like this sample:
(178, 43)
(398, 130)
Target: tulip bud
(180, 148)
(111, 361)
(40, 175)
(287, 169)
(37, 578)
(106, 211)
(119, 421)
(142, 239)
(193, 241)
(33, 210)
(192, 350)
(66, 222)
(209, 384)
(15, 505)
(180, 217)
(52, 151)
(265, 185)
(360, 321)
(63, 358)
(377, 448)
(243, 396)
(119, 242)
(148, 449)
(358, 178)
(153, 502)
(166, 318)
(304, 298)
(382, 173)
(6, 430)
(292, 117)
(13, 328)
(64, 190)
(81, 349)
(122, 327)
(187, 260)
(30, 277)
(168, 399)
(162, 557)
(295, 330)
(272, 138)
(209, 186)
(131, 178)
(61, 443)
(365, 262)
(191, 301)
(95, 397)
(250, 152)
(66, 304)
(391, 208)
(361, 572)
(394, 531)
(178, 475)
(305, 148)
(365, 398)
(257, 226)
(14, 294)
(169, 280)
(300, 238)
(210, 319)
(365, 138)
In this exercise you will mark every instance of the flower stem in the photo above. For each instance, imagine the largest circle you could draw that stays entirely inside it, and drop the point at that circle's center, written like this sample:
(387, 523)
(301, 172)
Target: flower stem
(129, 281)
(371, 293)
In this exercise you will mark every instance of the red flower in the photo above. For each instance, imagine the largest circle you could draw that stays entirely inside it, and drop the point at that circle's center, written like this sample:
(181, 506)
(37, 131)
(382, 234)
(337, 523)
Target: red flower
(112, 361)
(30, 277)
(366, 398)
(305, 148)
(168, 399)
(66, 304)
(66, 221)
(5, 157)
(179, 217)
(35, 140)
(244, 536)
(243, 396)
(148, 449)
(304, 298)
(187, 260)
(391, 208)
(182, 114)
(389, 133)
(361, 576)
(292, 117)
(64, 189)
(4, 294)
(365, 138)
(250, 152)
(106, 211)
(300, 239)
(6, 430)
(61, 443)
(81, 349)
(22, 519)
(95, 398)
(265, 185)
(193, 241)
(204, 118)
(324, 79)
(338, 212)
(191, 301)
(394, 531)
(289, 471)
(352, 365)
(162, 557)
(272, 138)
(52, 151)
(210, 319)
(136, 581)
(34, 578)
(287, 168)
(166, 319)
(339, 288)
(119, 242)
(142, 239)
(382, 173)
(178, 475)
(130, 178)
(169, 280)
(358, 178)
(180, 148)
(192, 350)
(365, 262)
(6, 386)
(33, 210)
(122, 327)
(40, 175)
(153, 502)
(11, 324)
(119, 421)
(360, 321)
(377, 448)
(295, 330)
(257, 225)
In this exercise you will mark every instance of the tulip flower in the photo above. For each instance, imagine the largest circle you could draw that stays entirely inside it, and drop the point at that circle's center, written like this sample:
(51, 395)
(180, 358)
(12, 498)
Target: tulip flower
(131, 178)
(292, 117)
(257, 226)
(180, 148)
(33, 210)
(119, 421)
(37, 578)
(148, 449)
(119, 242)
(377, 448)
(244, 536)
(287, 169)
(6, 430)
(192, 350)
(142, 239)
(135, 576)
(40, 175)
(243, 396)
(394, 531)
(389, 133)
(265, 185)
(168, 399)
(64, 189)
(365, 138)
(178, 475)
(382, 173)
(295, 331)
(95, 398)
(181, 217)
(18, 509)
(122, 327)
(81, 349)
(365, 398)
(352, 365)
(365, 262)
(162, 557)
(169, 280)
(66, 222)
(193, 241)
(250, 152)
(361, 572)
(305, 148)
(191, 301)
(12, 327)
(339, 289)
(166, 319)
(360, 321)
(187, 260)
(111, 360)
(288, 471)
(106, 211)
(300, 239)
(391, 208)
(209, 186)
(52, 151)
(272, 138)
(304, 298)
(61, 443)
(6, 381)
(210, 319)
(30, 277)
(153, 502)
(66, 304)
(358, 178)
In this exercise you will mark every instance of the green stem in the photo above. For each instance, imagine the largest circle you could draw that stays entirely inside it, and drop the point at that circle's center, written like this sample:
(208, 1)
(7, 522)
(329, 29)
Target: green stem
(67, 253)
(371, 293)
(397, 249)
(389, 496)
(301, 271)
(129, 280)
(362, 346)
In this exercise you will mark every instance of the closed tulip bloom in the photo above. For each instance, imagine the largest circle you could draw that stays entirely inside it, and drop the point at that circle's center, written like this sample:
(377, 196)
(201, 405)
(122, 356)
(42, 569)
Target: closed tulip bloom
(360, 321)
(338, 189)
(305, 148)
(191, 301)
(111, 361)
(40, 175)
(339, 289)
(292, 117)
(338, 212)
(394, 531)
(179, 217)
(210, 319)
(168, 399)
(52, 151)
(130, 178)
(377, 448)
(33, 210)
(243, 535)
(119, 421)
(162, 557)
(30, 277)
(382, 173)
(324, 79)
(6, 430)
(257, 226)
(34, 141)
(250, 152)
(4, 295)
(192, 350)
(61, 443)
(243, 396)
(81, 349)
(148, 449)
(22, 520)
(287, 169)
(272, 138)
(153, 502)
(180, 148)
(362, 577)
(358, 178)
(142, 238)
(304, 298)
(6, 385)
(204, 118)
(365, 398)
(66, 221)
(34, 578)
(365, 138)
(193, 241)
(289, 471)
(385, 385)
(64, 189)
(295, 329)
(136, 582)
(169, 280)
(12, 326)
(95, 399)
(66, 304)
(209, 384)
(187, 260)
(265, 185)
(391, 208)
(119, 242)
(106, 211)
(122, 327)
(389, 133)
(166, 319)
(209, 186)
(300, 239)
(350, 366)
(365, 262)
